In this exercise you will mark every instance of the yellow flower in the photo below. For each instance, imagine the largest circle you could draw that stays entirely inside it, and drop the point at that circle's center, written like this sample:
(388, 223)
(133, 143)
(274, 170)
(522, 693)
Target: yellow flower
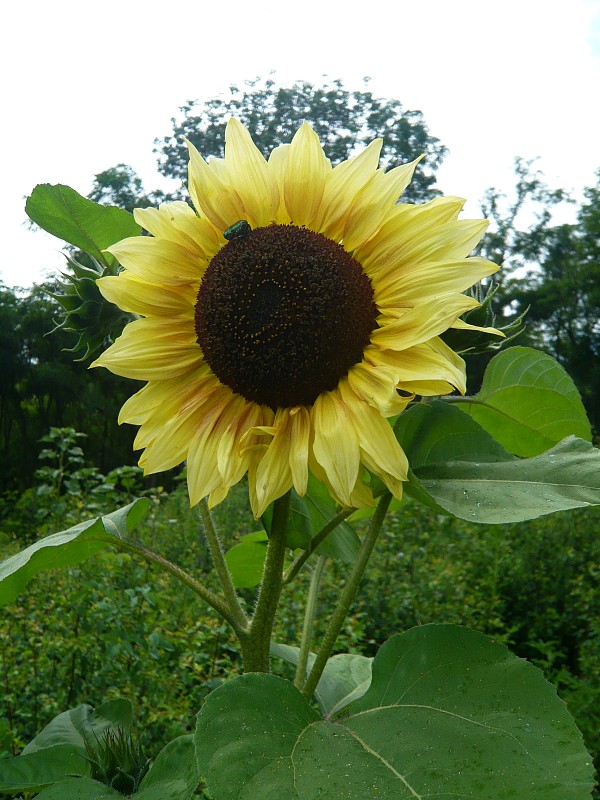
(285, 319)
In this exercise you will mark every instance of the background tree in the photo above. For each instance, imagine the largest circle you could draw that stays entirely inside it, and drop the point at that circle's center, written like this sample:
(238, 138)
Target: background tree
(42, 387)
(121, 186)
(344, 120)
(562, 291)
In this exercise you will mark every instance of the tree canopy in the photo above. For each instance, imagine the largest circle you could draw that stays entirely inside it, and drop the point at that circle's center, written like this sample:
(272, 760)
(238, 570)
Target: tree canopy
(344, 121)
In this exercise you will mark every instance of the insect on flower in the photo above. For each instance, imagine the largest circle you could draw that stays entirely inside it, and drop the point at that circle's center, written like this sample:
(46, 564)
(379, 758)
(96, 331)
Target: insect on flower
(238, 230)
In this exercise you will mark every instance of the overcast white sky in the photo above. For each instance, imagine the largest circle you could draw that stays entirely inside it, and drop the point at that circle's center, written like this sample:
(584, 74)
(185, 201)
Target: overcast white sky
(90, 85)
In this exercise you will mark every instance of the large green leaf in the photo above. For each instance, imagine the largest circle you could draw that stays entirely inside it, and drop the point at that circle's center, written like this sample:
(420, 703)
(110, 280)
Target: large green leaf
(63, 212)
(459, 469)
(449, 714)
(68, 547)
(528, 402)
(346, 677)
(174, 775)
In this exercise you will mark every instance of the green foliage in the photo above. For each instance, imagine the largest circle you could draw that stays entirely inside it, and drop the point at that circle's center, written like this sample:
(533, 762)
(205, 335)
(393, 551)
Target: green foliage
(103, 628)
(85, 753)
(91, 228)
(552, 270)
(528, 402)
(42, 388)
(346, 677)
(344, 120)
(120, 186)
(69, 547)
(79, 221)
(458, 468)
(430, 723)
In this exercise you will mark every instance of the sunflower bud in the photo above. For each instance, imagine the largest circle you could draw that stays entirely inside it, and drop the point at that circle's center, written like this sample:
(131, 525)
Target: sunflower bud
(117, 761)
(85, 312)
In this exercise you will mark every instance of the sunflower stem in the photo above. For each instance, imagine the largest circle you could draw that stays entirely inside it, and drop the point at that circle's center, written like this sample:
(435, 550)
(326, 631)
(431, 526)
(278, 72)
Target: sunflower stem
(347, 596)
(300, 560)
(309, 618)
(236, 612)
(256, 643)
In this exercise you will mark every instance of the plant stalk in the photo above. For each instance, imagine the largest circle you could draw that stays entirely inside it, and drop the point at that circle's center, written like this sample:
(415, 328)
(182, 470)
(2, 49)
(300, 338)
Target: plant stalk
(347, 596)
(309, 618)
(236, 611)
(256, 641)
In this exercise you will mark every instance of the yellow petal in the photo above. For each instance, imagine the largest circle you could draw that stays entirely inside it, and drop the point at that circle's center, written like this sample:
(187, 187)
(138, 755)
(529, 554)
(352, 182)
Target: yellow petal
(408, 285)
(139, 297)
(335, 445)
(299, 447)
(213, 197)
(404, 223)
(153, 349)
(177, 222)
(273, 476)
(466, 326)
(278, 160)
(343, 184)
(306, 171)
(379, 448)
(374, 202)
(377, 387)
(416, 325)
(431, 361)
(202, 462)
(158, 260)
(249, 173)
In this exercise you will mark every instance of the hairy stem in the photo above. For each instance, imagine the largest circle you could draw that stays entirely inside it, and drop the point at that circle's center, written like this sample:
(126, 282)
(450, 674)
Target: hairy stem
(347, 596)
(216, 551)
(256, 642)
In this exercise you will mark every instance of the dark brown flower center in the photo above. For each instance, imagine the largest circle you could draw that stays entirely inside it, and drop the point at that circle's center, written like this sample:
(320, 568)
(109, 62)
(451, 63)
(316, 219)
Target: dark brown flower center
(282, 314)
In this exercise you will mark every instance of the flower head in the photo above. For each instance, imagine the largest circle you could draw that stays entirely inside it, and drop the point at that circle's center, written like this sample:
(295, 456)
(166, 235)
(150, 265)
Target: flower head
(286, 318)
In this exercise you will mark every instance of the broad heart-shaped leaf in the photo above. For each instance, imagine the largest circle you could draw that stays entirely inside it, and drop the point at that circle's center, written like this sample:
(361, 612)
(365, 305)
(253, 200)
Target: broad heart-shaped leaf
(346, 677)
(459, 469)
(449, 714)
(68, 547)
(528, 402)
(58, 752)
(246, 559)
(91, 227)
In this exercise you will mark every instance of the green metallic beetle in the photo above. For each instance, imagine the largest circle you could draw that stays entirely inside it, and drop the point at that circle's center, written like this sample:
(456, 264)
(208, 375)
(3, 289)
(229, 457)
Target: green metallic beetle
(238, 230)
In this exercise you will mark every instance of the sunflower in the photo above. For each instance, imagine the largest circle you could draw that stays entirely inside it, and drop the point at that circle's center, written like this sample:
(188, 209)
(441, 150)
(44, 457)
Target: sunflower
(287, 318)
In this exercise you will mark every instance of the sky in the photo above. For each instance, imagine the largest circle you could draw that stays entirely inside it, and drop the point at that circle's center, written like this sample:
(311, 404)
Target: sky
(89, 85)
